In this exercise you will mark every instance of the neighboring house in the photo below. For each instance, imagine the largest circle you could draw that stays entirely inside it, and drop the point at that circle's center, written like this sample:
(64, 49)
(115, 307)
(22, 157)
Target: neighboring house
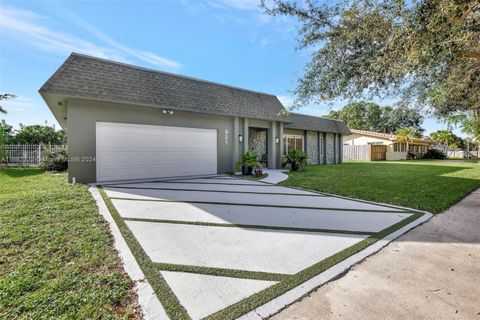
(395, 150)
(127, 122)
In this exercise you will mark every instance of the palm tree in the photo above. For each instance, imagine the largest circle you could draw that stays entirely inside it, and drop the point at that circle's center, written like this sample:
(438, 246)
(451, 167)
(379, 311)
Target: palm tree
(405, 135)
(471, 126)
(443, 137)
(5, 96)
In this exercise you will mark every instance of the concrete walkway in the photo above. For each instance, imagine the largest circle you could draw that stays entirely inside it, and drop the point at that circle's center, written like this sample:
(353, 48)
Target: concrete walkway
(274, 176)
(431, 272)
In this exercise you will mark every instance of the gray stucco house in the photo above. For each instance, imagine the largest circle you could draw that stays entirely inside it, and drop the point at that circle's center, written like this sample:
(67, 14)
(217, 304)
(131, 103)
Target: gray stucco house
(127, 122)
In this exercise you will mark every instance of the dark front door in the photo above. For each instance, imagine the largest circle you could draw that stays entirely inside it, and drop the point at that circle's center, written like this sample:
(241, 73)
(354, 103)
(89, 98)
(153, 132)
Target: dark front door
(257, 143)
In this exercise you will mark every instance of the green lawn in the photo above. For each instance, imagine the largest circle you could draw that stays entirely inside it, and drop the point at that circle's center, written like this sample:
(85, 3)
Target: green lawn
(428, 185)
(57, 259)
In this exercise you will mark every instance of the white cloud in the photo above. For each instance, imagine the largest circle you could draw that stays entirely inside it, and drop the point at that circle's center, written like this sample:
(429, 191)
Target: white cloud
(30, 28)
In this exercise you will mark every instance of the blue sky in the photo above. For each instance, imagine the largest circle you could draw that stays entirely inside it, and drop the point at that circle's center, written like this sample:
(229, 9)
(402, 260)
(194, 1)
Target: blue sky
(226, 41)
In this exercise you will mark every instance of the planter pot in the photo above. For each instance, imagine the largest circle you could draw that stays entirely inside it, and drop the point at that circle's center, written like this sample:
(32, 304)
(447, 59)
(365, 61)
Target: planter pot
(258, 172)
(247, 171)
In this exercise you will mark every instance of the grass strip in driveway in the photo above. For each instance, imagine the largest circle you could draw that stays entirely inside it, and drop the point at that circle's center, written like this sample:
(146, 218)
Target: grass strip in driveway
(222, 272)
(251, 226)
(260, 298)
(266, 205)
(221, 191)
(169, 300)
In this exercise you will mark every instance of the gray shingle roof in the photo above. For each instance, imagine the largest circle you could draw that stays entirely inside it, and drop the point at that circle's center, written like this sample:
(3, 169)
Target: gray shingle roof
(98, 79)
(304, 122)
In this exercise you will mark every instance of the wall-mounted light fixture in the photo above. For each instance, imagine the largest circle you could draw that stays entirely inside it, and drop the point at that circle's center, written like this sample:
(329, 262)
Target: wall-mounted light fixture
(240, 138)
(277, 140)
(165, 111)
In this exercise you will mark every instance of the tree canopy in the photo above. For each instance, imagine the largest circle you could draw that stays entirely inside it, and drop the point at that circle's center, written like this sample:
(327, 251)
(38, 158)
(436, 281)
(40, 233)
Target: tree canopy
(36, 134)
(425, 52)
(371, 116)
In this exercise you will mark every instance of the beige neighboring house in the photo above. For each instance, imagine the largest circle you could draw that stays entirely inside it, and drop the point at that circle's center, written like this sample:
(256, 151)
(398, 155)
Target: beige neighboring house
(394, 150)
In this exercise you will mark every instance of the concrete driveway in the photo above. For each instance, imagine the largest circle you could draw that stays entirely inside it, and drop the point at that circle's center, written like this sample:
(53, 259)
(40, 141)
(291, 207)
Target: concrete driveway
(226, 246)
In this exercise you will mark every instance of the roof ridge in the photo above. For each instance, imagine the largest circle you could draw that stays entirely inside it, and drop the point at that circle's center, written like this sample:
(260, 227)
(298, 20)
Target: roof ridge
(168, 73)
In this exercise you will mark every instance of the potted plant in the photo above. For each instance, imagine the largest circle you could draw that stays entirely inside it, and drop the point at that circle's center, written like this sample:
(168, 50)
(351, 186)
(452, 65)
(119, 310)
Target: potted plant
(248, 160)
(296, 159)
(258, 168)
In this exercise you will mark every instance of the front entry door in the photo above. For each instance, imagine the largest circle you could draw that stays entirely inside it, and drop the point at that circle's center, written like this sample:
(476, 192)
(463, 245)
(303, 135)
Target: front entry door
(257, 143)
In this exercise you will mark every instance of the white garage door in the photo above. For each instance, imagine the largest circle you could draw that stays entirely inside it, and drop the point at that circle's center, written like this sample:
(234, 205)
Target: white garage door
(131, 151)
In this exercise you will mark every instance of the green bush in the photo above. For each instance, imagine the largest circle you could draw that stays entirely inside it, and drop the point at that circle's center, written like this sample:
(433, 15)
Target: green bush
(434, 154)
(55, 159)
(296, 159)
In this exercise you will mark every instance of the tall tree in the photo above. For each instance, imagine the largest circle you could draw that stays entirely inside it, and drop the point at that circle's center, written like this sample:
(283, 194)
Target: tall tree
(5, 96)
(359, 115)
(423, 51)
(370, 116)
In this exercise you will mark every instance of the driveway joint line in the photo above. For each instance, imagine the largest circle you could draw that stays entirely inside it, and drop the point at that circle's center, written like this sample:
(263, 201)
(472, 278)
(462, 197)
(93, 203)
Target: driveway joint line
(264, 205)
(251, 226)
(222, 272)
(219, 191)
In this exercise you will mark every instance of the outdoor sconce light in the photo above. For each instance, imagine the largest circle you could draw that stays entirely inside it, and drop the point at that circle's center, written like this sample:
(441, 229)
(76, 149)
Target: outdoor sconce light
(277, 140)
(165, 111)
(240, 138)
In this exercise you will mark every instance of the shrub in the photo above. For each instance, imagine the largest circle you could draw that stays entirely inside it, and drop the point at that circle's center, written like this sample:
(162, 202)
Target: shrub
(296, 159)
(55, 159)
(434, 154)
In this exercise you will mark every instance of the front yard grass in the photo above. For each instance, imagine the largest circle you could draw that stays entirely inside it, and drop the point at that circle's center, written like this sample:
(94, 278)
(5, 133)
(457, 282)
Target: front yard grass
(57, 259)
(424, 184)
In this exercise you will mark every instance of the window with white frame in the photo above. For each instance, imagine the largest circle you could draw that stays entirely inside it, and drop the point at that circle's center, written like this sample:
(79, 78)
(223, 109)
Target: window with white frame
(292, 142)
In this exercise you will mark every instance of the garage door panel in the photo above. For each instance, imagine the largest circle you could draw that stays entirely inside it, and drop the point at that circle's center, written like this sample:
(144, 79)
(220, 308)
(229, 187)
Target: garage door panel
(130, 151)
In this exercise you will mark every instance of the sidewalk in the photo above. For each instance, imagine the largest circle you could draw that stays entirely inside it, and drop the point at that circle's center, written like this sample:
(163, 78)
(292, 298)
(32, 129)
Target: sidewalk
(431, 272)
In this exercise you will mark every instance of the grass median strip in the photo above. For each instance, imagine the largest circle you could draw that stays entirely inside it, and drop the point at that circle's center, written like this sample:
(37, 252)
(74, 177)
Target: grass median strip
(163, 291)
(263, 205)
(219, 191)
(250, 226)
(221, 272)
(256, 300)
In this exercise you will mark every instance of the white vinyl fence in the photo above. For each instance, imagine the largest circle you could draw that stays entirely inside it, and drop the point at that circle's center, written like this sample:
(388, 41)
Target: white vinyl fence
(25, 154)
(356, 153)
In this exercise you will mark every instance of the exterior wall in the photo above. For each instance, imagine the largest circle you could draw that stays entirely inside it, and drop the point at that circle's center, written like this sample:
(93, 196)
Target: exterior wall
(293, 131)
(312, 147)
(391, 155)
(357, 139)
(330, 145)
(83, 114)
(321, 147)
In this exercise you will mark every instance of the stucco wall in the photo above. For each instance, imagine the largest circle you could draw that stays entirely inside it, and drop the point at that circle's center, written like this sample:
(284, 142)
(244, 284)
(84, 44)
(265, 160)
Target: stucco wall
(83, 114)
(312, 147)
(357, 139)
